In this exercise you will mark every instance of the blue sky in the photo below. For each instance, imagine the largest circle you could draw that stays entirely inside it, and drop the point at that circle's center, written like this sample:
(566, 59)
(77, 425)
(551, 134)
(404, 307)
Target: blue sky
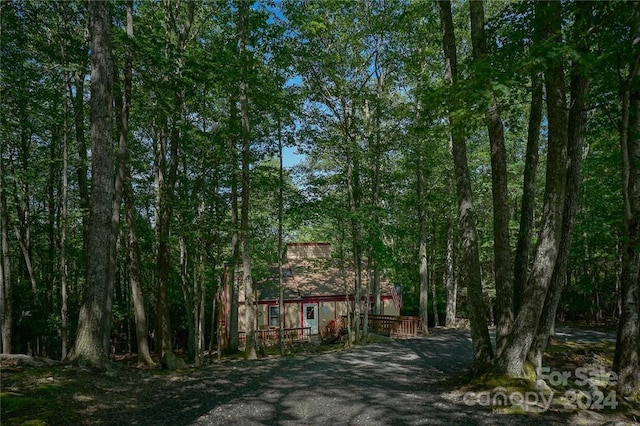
(290, 157)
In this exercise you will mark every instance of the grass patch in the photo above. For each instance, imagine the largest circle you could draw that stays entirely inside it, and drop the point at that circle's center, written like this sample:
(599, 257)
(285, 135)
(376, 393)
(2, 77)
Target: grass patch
(14, 403)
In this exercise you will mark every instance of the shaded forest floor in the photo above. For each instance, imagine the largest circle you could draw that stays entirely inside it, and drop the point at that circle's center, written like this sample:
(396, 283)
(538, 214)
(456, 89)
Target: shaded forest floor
(417, 381)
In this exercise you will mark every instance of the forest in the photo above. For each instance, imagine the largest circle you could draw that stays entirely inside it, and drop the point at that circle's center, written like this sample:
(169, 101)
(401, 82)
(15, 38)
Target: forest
(483, 155)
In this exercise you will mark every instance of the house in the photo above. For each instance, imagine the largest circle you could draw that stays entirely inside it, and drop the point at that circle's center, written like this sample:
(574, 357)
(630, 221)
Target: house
(315, 291)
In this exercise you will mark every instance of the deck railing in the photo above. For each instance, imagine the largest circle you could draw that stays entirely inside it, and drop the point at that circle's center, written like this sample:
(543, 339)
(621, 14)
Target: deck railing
(271, 336)
(394, 326)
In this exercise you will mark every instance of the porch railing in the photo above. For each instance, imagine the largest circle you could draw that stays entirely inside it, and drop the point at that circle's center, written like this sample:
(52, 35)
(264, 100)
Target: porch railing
(271, 336)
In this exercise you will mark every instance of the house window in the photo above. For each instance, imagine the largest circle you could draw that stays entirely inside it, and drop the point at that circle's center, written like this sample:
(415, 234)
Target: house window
(311, 312)
(274, 316)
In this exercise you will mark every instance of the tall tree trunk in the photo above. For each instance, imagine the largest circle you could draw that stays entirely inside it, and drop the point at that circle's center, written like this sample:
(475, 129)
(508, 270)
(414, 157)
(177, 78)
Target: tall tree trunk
(164, 197)
(191, 294)
(235, 236)
(64, 270)
(169, 139)
(434, 298)
(133, 254)
(501, 246)
(345, 282)
(164, 346)
(122, 104)
(513, 357)
(202, 297)
(626, 362)
(249, 305)
(233, 288)
(83, 185)
(577, 123)
(25, 249)
(23, 202)
(469, 271)
(200, 270)
(434, 293)
(188, 295)
(89, 348)
(23, 229)
(280, 236)
(528, 204)
(64, 201)
(422, 248)
(366, 303)
(353, 189)
(216, 331)
(6, 294)
(135, 278)
(49, 265)
(450, 280)
(377, 165)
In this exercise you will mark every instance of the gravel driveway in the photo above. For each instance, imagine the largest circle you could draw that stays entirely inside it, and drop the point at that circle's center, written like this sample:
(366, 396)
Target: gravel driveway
(391, 383)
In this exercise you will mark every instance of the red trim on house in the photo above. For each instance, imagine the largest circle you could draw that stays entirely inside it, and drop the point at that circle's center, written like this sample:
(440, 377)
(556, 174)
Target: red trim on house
(301, 313)
(316, 299)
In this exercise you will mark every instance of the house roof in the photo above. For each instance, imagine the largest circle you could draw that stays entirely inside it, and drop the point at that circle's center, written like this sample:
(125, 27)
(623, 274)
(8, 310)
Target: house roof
(316, 277)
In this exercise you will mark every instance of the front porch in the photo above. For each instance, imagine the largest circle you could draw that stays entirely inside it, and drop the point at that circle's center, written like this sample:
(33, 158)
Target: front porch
(394, 326)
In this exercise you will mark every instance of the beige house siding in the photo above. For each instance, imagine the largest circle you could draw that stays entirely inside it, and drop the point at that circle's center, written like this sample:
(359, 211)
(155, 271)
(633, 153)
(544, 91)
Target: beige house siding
(327, 313)
(327, 310)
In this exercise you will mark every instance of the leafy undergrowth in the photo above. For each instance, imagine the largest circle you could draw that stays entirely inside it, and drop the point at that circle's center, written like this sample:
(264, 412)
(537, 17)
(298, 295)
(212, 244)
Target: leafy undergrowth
(577, 383)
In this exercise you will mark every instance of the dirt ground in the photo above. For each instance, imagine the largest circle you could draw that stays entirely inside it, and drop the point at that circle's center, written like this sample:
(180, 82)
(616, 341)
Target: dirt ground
(417, 381)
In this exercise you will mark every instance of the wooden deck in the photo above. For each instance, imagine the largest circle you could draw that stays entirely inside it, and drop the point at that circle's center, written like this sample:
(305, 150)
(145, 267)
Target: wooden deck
(397, 327)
